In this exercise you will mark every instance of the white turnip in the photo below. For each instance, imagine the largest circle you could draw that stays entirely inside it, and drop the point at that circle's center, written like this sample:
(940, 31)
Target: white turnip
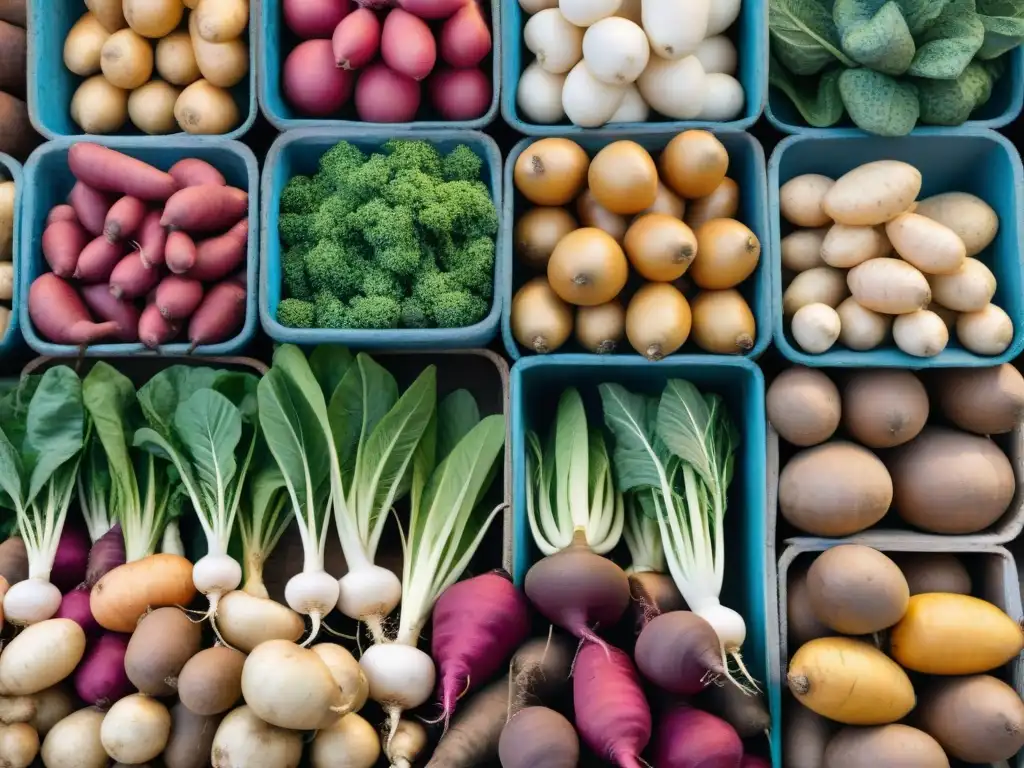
(401, 677)
(408, 743)
(355, 689)
(246, 620)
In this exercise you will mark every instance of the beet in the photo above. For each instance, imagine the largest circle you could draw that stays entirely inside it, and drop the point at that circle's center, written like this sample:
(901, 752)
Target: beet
(679, 652)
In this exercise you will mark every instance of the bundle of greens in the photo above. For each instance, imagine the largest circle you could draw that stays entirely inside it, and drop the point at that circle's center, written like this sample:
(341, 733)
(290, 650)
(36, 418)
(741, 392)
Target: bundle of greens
(403, 238)
(891, 64)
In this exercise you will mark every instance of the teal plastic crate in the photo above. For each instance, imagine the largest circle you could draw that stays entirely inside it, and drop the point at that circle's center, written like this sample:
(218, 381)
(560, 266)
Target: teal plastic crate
(51, 85)
(298, 152)
(749, 33)
(537, 383)
(10, 170)
(275, 42)
(977, 161)
(48, 181)
(746, 167)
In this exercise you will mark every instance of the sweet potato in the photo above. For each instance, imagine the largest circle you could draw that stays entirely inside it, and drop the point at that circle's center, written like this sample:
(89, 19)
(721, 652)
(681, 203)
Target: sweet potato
(98, 260)
(152, 240)
(91, 206)
(59, 314)
(16, 134)
(13, 11)
(205, 208)
(104, 305)
(131, 278)
(178, 297)
(124, 218)
(220, 315)
(154, 328)
(179, 252)
(123, 596)
(12, 59)
(217, 257)
(192, 172)
(63, 242)
(62, 212)
(108, 170)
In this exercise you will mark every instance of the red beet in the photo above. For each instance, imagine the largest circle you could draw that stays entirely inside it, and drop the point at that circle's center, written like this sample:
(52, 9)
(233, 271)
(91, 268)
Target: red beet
(679, 652)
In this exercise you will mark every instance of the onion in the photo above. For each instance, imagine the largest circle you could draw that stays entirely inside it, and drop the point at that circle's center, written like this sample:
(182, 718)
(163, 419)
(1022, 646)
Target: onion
(658, 320)
(540, 320)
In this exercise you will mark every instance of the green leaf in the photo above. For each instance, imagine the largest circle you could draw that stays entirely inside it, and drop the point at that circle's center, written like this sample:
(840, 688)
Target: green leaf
(14, 409)
(240, 388)
(264, 514)
(109, 398)
(819, 103)
(572, 456)
(329, 364)
(949, 45)
(804, 37)
(685, 425)
(878, 103)
(457, 414)
(10, 474)
(210, 427)
(637, 464)
(159, 397)
(950, 102)
(921, 14)
(54, 427)
(1004, 26)
(875, 34)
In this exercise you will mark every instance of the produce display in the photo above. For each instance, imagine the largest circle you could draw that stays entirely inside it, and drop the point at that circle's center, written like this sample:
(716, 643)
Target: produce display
(17, 136)
(890, 66)
(621, 240)
(593, 62)
(866, 259)
(368, 59)
(7, 192)
(161, 65)
(141, 254)
(938, 669)
(400, 238)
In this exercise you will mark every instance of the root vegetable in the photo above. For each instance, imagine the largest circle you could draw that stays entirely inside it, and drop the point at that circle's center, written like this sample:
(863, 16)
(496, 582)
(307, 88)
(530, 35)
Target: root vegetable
(100, 679)
(63, 212)
(721, 203)
(175, 59)
(933, 572)
(386, 96)
(583, 13)
(135, 729)
(351, 742)
(220, 316)
(921, 333)
(801, 200)
(16, 709)
(13, 560)
(291, 687)
(805, 737)
(222, 64)
(153, 18)
(746, 712)
(987, 401)
(83, 44)
(896, 745)
(154, 329)
(152, 240)
(927, 244)
(309, 20)
(540, 320)
(126, 59)
(660, 247)
(160, 647)
(124, 218)
(179, 252)
(653, 594)
(987, 331)
(151, 108)
(217, 257)
(58, 313)
(539, 95)
(460, 94)
(633, 109)
(860, 328)
(313, 83)
(819, 285)
(815, 328)
(593, 214)
(191, 741)
(90, 206)
(723, 323)
(465, 38)
(42, 655)
(19, 745)
(211, 681)
(538, 736)
(131, 279)
(246, 621)
(856, 590)
(844, 247)
(587, 267)
(122, 596)
(206, 108)
(206, 208)
(74, 742)
(801, 250)
(98, 106)
(407, 45)
(192, 172)
(890, 286)
(539, 230)
(679, 652)
(425, 9)
(356, 39)
(666, 202)
(978, 719)
(109, 12)
(724, 98)
(30, 601)
(615, 50)
(401, 677)
(883, 409)
(407, 743)
(51, 706)
(551, 171)
(872, 193)
(600, 329)
(245, 741)
(178, 297)
(803, 405)
(105, 306)
(62, 243)
(675, 29)
(219, 21)
(970, 217)
(587, 101)
(969, 289)
(75, 606)
(690, 738)
(107, 170)
(97, 260)
(347, 674)
(658, 320)
(717, 54)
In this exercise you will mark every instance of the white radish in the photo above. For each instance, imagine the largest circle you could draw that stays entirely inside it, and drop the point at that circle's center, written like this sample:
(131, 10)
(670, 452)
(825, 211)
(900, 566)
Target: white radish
(313, 593)
(860, 328)
(583, 13)
(31, 601)
(290, 687)
(921, 333)
(19, 745)
(556, 43)
(245, 621)
(369, 593)
(724, 98)
(988, 331)
(215, 575)
(674, 88)
(41, 656)
(539, 95)
(355, 689)
(633, 108)
(407, 744)
(135, 729)
(969, 289)
(815, 328)
(675, 27)
(717, 54)
(587, 101)
(351, 742)
(615, 50)
(401, 677)
(722, 15)
(244, 741)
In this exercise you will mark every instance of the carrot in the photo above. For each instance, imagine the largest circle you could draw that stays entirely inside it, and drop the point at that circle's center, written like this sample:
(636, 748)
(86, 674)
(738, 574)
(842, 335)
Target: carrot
(205, 208)
(122, 596)
(90, 206)
(154, 328)
(98, 260)
(178, 297)
(62, 212)
(131, 279)
(217, 257)
(108, 170)
(192, 172)
(219, 316)
(152, 240)
(179, 252)
(124, 218)
(13, 560)
(59, 314)
(63, 241)
(104, 305)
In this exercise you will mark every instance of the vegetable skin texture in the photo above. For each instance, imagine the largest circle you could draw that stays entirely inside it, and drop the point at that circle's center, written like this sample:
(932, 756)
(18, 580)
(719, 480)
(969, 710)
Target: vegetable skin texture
(59, 314)
(191, 738)
(100, 679)
(177, 297)
(121, 597)
(978, 719)
(104, 305)
(205, 208)
(13, 560)
(19, 745)
(124, 218)
(312, 81)
(460, 94)
(425, 9)
(894, 746)
(160, 646)
(154, 328)
(986, 401)
(465, 36)
(135, 729)
(407, 45)
(679, 652)
(309, 19)
(72, 557)
(857, 590)
(653, 594)
(745, 712)
(179, 252)
(218, 257)
(107, 170)
(220, 315)
(386, 96)
(90, 206)
(245, 741)
(62, 243)
(689, 738)
(62, 212)
(539, 737)
(210, 683)
(74, 605)
(245, 620)
(192, 172)
(75, 741)
(42, 655)
(356, 39)
(612, 715)
(152, 240)
(290, 687)
(131, 278)
(97, 260)
(805, 736)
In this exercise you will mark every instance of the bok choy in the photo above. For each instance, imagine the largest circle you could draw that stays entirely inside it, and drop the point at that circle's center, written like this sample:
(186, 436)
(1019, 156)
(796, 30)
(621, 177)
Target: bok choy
(652, 589)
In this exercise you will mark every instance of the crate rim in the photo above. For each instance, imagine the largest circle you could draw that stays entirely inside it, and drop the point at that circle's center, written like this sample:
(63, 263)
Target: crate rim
(13, 332)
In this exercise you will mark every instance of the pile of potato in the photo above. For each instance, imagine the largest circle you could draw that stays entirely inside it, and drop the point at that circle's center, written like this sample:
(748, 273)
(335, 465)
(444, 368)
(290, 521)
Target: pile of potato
(7, 191)
(872, 260)
(16, 135)
(930, 460)
(118, 45)
(860, 622)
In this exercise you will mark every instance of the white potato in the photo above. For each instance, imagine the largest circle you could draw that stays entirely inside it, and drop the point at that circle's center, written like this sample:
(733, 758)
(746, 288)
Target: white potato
(968, 289)
(948, 316)
(921, 333)
(988, 331)
(41, 656)
(801, 250)
(557, 44)
(891, 286)
(674, 88)
(861, 329)
(820, 285)
(74, 742)
(815, 328)
(99, 107)
(615, 50)
(717, 54)
(801, 200)
(633, 108)
(83, 44)
(873, 193)
(845, 246)
(539, 94)
(970, 217)
(930, 246)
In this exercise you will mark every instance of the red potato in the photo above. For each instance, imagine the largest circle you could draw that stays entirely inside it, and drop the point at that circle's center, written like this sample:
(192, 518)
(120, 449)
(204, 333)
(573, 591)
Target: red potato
(63, 242)
(217, 257)
(356, 39)
(178, 297)
(431, 9)
(690, 738)
(407, 45)
(131, 278)
(460, 94)
(155, 329)
(220, 316)
(62, 212)
(59, 314)
(179, 252)
(205, 208)
(192, 172)
(466, 37)
(152, 240)
(313, 83)
(98, 260)
(385, 96)
(104, 305)
(108, 170)
(90, 206)
(311, 19)
(124, 218)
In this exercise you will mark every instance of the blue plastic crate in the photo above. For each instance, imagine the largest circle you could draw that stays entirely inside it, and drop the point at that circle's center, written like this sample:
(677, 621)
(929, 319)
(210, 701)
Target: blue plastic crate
(537, 383)
(48, 181)
(10, 170)
(1001, 109)
(750, 33)
(298, 152)
(51, 85)
(275, 42)
(746, 167)
(979, 161)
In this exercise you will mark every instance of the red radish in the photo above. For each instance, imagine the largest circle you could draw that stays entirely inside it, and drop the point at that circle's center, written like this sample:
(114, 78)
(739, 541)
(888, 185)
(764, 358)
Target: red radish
(124, 218)
(178, 297)
(154, 328)
(753, 761)
(192, 172)
(62, 212)
(460, 94)
(431, 9)
(312, 81)
(105, 306)
(466, 37)
(217, 257)
(206, 208)
(385, 96)
(356, 39)
(90, 206)
(152, 240)
(314, 18)
(100, 678)
(538, 737)
(105, 555)
(58, 313)
(679, 652)
(407, 44)
(653, 594)
(220, 315)
(63, 242)
(689, 738)
(75, 606)
(612, 715)
(71, 559)
(180, 252)
(108, 170)
(478, 624)
(131, 278)
(98, 260)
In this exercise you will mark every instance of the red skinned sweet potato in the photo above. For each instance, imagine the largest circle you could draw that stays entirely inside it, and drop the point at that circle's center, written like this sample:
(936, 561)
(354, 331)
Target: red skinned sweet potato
(220, 316)
(192, 172)
(465, 37)
(179, 252)
(98, 260)
(177, 297)
(59, 314)
(108, 170)
(90, 206)
(152, 240)
(124, 218)
(217, 257)
(154, 328)
(62, 212)
(131, 278)
(102, 303)
(206, 208)
(356, 39)
(63, 242)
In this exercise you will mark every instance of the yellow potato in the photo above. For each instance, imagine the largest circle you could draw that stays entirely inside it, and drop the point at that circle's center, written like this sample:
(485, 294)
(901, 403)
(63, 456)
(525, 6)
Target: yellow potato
(970, 217)
(820, 285)
(175, 59)
(222, 64)
(7, 190)
(83, 44)
(219, 21)
(126, 59)
(928, 245)
(890, 286)
(845, 246)
(968, 289)
(109, 12)
(801, 250)
(921, 334)
(151, 107)
(861, 329)
(99, 107)
(873, 193)
(800, 200)
(153, 18)
(204, 108)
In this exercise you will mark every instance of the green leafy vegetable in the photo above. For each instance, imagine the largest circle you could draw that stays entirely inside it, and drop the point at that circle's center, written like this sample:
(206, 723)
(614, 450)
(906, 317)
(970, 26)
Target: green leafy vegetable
(1004, 26)
(950, 102)
(804, 36)
(643, 538)
(818, 103)
(950, 43)
(875, 34)
(921, 14)
(878, 103)
(263, 516)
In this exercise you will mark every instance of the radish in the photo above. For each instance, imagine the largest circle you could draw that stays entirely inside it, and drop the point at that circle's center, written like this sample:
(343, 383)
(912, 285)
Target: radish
(679, 652)
(690, 738)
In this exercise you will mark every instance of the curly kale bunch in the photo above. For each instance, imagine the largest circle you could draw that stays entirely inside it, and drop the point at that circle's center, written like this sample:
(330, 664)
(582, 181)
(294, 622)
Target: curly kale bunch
(402, 238)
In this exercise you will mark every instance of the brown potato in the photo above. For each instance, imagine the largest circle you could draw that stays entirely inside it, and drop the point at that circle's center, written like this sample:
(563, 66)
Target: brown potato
(884, 408)
(856, 590)
(892, 746)
(977, 719)
(162, 643)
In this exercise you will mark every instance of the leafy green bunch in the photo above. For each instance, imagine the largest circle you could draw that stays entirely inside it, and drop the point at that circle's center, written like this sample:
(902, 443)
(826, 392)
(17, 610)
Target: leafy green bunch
(403, 238)
(890, 63)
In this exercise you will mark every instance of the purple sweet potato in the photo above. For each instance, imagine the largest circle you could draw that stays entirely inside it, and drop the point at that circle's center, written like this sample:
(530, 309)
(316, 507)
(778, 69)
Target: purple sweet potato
(217, 257)
(59, 314)
(91, 206)
(124, 218)
(192, 172)
(105, 555)
(72, 558)
(206, 208)
(220, 316)
(690, 738)
(108, 170)
(104, 305)
(155, 329)
(63, 242)
(98, 260)
(131, 278)
(179, 252)
(152, 240)
(62, 212)
(177, 297)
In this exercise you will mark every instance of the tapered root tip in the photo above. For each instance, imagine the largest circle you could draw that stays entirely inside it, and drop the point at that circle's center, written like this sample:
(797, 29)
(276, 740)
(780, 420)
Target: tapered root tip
(394, 715)
(314, 630)
(590, 637)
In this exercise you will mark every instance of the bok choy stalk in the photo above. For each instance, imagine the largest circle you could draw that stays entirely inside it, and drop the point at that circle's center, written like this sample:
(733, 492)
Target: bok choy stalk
(453, 467)
(42, 434)
(683, 447)
(653, 591)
